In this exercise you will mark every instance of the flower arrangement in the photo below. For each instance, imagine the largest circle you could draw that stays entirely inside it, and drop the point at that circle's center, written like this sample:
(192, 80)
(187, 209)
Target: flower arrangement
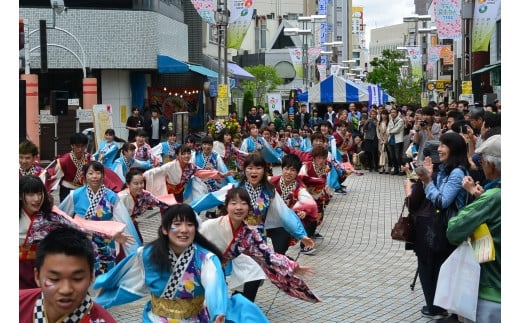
(233, 125)
(216, 126)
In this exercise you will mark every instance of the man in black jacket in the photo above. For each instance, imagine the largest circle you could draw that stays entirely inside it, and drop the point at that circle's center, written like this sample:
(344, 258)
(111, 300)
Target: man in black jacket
(302, 117)
(156, 127)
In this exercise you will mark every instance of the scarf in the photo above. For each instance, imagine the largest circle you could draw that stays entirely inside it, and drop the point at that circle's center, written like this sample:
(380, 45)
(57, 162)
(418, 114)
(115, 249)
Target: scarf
(94, 199)
(179, 266)
(286, 189)
(30, 171)
(320, 171)
(79, 313)
(79, 165)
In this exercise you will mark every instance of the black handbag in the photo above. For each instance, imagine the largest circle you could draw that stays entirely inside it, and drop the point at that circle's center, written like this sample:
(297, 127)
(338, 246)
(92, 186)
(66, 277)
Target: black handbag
(403, 229)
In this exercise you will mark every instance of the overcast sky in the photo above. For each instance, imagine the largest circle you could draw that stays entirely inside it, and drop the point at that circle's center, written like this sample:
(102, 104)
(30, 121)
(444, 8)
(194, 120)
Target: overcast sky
(382, 13)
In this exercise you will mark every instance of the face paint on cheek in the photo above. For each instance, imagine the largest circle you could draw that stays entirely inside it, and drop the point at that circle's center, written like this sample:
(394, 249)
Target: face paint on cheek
(48, 284)
(173, 228)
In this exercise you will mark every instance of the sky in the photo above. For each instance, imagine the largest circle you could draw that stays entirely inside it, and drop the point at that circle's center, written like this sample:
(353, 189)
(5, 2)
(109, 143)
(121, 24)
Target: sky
(382, 13)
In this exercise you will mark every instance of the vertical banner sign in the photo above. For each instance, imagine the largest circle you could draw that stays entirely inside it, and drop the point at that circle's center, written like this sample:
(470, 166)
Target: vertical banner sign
(206, 10)
(241, 15)
(222, 101)
(416, 58)
(447, 18)
(433, 56)
(446, 54)
(296, 58)
(274, 102)
(292, 105)
(313, 53)
(484, 20)
(102, 121)
(374, 95)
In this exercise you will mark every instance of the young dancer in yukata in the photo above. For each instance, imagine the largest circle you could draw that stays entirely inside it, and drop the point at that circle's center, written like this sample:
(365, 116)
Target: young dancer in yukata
(252, 259)
(64, 271)
(95, 202)
(108, 148)
(38, 217)
(126, 161)
(182, 272)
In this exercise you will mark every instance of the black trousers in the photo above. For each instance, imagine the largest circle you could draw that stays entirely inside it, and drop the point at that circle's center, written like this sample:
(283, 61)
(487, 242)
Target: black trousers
(428, 274)
(280, 239)
(394, 156)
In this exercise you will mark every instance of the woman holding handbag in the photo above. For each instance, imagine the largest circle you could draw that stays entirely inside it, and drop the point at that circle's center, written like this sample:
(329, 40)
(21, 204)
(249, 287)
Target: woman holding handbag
(444, 190)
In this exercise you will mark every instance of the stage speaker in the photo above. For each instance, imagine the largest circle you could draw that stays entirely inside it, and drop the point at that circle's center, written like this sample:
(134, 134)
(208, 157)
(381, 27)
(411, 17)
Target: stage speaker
(22, 112)
(59, 103)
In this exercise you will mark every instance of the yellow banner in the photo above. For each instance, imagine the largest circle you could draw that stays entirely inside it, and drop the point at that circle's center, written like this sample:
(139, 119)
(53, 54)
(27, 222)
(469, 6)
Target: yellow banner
(222, 101)
(467, 87)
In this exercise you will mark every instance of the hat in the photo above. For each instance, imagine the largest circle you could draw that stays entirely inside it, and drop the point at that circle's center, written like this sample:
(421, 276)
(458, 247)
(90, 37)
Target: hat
(490, 146)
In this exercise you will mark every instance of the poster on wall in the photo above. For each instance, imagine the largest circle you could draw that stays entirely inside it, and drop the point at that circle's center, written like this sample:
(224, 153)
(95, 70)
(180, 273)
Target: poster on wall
(274, 102)
(102, 121)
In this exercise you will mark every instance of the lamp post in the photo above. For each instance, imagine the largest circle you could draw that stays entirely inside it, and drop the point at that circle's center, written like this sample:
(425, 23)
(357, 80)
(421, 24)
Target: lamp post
(222, 19)
(416, 19)
(305, 32)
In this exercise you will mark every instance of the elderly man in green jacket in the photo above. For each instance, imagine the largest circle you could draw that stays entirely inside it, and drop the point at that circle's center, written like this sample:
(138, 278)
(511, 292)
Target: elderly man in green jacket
(485, 209)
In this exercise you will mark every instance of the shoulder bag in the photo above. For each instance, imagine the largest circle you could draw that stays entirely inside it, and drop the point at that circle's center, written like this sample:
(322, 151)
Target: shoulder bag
(403, 229)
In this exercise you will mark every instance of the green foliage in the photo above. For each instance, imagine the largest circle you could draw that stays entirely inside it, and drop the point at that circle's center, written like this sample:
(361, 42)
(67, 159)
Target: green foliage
(267, 80)
(247, 103)
(386, 71)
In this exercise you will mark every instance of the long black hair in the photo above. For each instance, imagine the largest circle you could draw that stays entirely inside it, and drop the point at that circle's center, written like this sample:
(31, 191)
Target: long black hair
(33, 184)
(458, 151)
(161, 246)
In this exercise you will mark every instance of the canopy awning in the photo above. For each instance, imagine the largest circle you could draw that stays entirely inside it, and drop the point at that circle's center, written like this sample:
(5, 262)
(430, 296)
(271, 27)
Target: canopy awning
(202, 70)
(170, 65)
(486, 68)
(238, 72)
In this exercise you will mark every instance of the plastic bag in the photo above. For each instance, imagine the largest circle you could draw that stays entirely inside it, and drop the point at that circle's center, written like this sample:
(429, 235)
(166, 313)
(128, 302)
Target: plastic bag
(458, 282)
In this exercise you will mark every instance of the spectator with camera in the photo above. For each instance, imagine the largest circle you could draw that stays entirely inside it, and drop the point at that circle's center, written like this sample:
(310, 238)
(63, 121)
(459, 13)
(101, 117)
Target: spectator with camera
(425, 129)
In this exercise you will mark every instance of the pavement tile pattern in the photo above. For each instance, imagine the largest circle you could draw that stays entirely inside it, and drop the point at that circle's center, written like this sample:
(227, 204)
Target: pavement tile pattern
(362, 274)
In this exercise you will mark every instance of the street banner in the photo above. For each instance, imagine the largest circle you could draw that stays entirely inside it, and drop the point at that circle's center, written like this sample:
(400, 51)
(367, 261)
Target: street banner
(313, 53)
(484, 21)
(322, 69)
(446, 54)
(102, 121)
(375, 95)
(447, 18)
(296, 58)
(222, 101)
(274, 102)
(241, 15)
(416, 59)
(433, 56)
(206, 10)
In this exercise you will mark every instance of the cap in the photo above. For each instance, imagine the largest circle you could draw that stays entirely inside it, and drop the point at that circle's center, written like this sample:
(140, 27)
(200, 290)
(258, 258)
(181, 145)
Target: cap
(490, 146)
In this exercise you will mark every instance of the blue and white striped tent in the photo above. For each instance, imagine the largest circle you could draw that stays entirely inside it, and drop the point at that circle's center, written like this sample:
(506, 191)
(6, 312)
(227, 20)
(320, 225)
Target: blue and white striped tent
(336, 89)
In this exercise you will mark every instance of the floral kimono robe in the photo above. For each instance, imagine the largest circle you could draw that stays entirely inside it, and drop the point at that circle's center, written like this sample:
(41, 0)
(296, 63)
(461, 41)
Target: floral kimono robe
(252, 259)
(109, 207)
(193, 290)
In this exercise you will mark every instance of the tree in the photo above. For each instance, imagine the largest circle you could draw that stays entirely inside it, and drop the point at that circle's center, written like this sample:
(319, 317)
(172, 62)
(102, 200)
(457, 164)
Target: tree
(386, 72)
(266, 80)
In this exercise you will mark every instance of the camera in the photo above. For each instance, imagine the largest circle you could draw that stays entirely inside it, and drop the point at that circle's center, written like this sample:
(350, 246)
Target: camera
(423, 123)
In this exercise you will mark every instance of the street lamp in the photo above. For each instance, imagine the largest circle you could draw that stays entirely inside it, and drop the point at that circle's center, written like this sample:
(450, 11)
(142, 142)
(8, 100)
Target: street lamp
(222, 20)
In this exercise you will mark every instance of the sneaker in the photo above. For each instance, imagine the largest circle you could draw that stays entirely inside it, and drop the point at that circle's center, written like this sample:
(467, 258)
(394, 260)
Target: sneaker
(307, 251)
(340, 191)
(318, 236)
(436, 315)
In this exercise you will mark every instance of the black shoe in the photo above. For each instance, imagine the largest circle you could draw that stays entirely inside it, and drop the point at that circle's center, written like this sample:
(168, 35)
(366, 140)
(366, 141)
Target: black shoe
(435, 315)
(395, 173)
(318, 236)
(402, 173)
(340, 191)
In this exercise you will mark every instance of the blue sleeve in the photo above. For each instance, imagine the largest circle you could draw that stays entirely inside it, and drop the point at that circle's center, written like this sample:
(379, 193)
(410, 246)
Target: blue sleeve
(446, 191)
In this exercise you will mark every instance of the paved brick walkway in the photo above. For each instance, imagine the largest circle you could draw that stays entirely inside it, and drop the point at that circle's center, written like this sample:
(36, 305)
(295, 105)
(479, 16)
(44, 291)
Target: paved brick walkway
(362, 274)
